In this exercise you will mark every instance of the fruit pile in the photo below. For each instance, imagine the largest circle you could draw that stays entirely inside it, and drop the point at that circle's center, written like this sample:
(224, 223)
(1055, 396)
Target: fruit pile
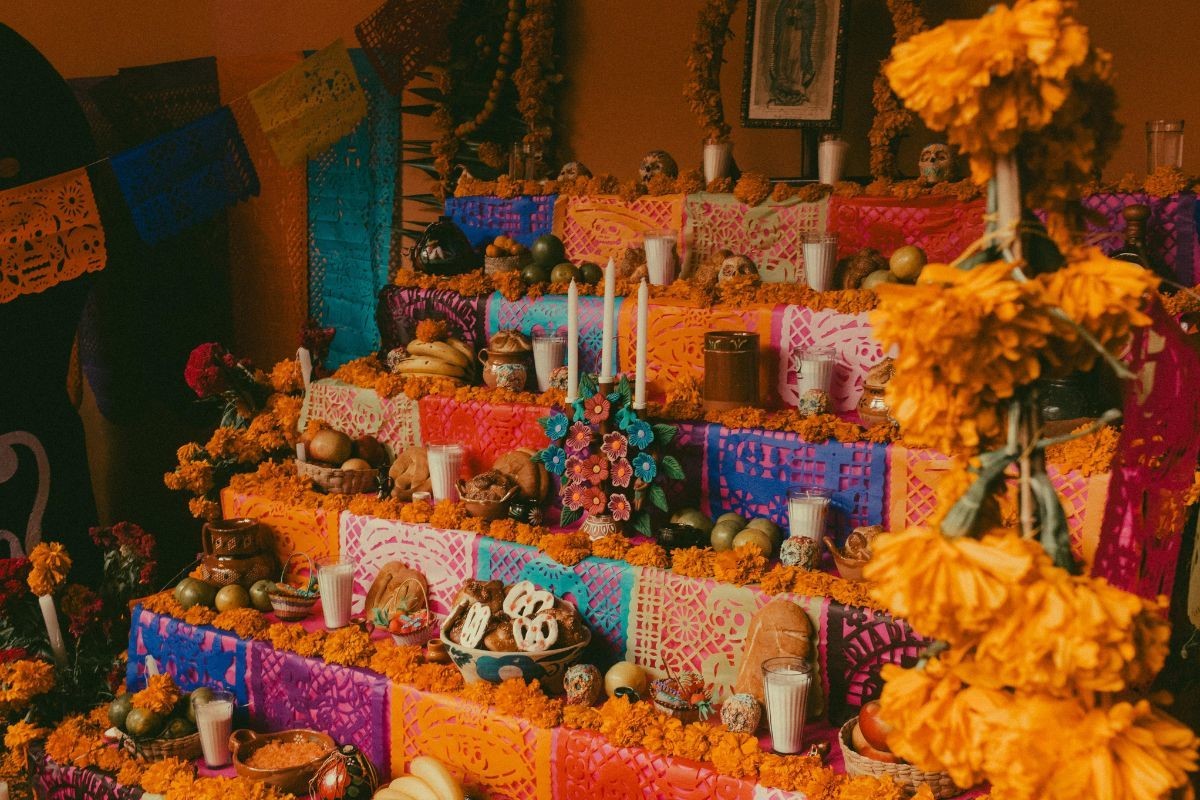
(451, 359)
(196, 592)
(332, 448)
(904, 266)
(503, 247)
(727, 532)
(143, 724)
(427, 779)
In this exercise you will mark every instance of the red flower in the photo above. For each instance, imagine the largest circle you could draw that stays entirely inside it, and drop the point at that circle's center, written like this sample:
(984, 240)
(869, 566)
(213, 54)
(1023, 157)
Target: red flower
(205, 371)
(618, 504)
(577, 470)
(594, 501)
(615, 445)
(13, 654)
(596, 470)
(574, 496)
(596, 408)
(579, 438)
(620, 473)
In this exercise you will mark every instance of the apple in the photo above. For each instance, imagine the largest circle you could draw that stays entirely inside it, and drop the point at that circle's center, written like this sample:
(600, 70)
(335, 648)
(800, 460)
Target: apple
(355, 464)
(330, 446)
(874, 729)
(907, 262)
(370, 450)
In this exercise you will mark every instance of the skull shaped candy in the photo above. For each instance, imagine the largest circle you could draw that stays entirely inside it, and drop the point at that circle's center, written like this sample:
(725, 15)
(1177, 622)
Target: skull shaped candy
(572, 170)
(936, 164)
(583, 684)
(657, 162)
(734, 266)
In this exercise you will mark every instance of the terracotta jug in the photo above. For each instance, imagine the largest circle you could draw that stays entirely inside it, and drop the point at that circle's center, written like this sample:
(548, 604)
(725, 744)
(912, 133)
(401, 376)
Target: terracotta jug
(233, 553)
(506, 360)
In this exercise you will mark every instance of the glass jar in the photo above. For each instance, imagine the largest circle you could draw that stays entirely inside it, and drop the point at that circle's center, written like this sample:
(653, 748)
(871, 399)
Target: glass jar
(1164, 144)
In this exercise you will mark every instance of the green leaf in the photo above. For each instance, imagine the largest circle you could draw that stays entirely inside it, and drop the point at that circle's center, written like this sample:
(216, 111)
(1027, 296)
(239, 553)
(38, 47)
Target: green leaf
(587, 385)
(641, 524)
(672, 469)
(659, 498)
(664, 434)
(625, 390)
(569, 516)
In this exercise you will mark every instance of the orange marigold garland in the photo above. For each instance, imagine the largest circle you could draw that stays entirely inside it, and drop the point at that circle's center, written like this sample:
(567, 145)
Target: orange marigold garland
(703, 89)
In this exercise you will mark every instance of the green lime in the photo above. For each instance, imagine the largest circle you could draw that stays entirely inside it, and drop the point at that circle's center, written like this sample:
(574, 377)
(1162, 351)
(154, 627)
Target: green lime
(565, 273)
(722, 534)
(260, 595)
(231, 597)
(118, 710)
(591, 272)
(534, 273)
(143, 723)
(547, 251)
(178, 727)
(197, 593)
(769, 527)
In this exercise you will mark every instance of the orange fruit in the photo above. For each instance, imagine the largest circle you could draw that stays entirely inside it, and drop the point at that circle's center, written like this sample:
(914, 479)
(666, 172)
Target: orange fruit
(492, 251)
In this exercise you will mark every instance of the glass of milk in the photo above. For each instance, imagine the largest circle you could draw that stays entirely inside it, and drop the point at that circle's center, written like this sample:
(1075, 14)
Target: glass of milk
(831, 158)
(335, 577)
(214, 722)
(660, 257)
(549, 353)
(814, 369)
(786, 681)
(820, 257)
(808, 507)
(445, 468)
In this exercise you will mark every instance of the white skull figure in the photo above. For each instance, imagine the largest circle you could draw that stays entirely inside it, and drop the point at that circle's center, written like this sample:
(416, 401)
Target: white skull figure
(734, 266)
(936, 164)
(657, 161)
(572, 170)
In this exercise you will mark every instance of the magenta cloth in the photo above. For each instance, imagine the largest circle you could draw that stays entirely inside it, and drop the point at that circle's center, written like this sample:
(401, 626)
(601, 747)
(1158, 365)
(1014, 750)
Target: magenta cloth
(941, 226)
(1170, 231)
(54, 781)
(1155, 463)
(350, 704)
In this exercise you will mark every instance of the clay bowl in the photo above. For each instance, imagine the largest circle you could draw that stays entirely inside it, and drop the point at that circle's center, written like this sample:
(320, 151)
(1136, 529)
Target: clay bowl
(244, 743)
(547, 667)
(849, 568)
(487, 510)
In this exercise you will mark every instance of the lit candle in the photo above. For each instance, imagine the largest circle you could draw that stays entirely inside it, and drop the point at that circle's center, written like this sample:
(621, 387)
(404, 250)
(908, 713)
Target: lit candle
(572, 343)
(643, 318)
(3, 790)
(606, 346)
(50, 615)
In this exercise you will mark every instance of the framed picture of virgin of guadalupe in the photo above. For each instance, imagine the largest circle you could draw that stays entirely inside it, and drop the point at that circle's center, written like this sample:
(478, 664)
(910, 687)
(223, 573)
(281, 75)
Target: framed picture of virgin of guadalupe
(794, 63)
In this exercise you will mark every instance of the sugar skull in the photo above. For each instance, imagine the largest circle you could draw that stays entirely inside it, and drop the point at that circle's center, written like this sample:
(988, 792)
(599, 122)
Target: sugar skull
(583, 685)
(572, 170)
(734, 266)
(655, 162)
(936, 164)
(799, 551)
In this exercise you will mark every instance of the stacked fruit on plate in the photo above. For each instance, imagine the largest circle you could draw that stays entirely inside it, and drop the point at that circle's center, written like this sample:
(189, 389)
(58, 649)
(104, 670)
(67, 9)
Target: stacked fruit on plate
(451, 358)
(427, 779)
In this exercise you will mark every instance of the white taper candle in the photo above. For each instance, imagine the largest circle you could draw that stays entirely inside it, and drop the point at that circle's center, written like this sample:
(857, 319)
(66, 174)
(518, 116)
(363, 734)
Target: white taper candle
(50, 615)
(643, 323)
(606, 346)
(572, 343)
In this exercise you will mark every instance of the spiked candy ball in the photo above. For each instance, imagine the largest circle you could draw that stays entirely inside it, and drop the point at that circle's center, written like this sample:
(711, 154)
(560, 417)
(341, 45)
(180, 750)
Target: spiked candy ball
(347, 774)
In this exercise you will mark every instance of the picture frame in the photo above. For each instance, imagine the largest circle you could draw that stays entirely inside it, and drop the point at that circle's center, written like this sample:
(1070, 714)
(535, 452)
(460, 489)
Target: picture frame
(795, 63)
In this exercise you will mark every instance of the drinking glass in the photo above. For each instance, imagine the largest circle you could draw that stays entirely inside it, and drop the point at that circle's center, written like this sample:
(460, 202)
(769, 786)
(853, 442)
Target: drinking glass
(820, 257)
(786, 681)
(335, 578)
(1164, 144)
(214, 722)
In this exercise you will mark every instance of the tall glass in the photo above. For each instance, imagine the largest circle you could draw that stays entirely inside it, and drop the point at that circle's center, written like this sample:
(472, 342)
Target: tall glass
(814, 369)
(214, 721)
(831, 158)
(660, 257)
(445, 468)
(549, 353)
(1164, 144)
(820, 257)
(717, 158)
(808, 507)
(786, 681)
(335, 578)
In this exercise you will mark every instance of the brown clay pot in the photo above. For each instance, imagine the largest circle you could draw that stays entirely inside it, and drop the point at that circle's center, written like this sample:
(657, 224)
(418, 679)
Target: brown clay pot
(234, 553)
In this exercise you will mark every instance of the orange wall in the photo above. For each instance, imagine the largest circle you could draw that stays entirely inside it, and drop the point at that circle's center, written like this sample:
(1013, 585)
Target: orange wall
(623, 63)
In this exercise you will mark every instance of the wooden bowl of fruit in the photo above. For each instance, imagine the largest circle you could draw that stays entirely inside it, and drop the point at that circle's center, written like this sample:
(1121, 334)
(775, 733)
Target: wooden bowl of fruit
(866, 751)
(504, 255)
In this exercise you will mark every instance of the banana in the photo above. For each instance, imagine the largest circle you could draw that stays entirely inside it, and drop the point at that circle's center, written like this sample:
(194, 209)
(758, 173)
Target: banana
(426, 364)
(414, 787)
(434, 773)
(388, 793)
(462, 347)
(420, 374)
(438, 350)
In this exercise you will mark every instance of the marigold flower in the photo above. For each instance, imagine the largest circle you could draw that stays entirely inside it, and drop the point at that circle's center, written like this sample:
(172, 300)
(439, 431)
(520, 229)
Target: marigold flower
(739, 566)
(647, 554)
(50, 566)
(160, 695)
(248, 623)
(350, 646)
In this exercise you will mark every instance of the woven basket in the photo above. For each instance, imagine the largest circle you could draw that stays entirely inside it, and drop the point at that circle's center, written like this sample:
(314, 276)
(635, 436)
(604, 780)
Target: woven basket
(905, 775)
(339, 481)
(418, 637)
(186, 748)
(492, 265)
(289, 603)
